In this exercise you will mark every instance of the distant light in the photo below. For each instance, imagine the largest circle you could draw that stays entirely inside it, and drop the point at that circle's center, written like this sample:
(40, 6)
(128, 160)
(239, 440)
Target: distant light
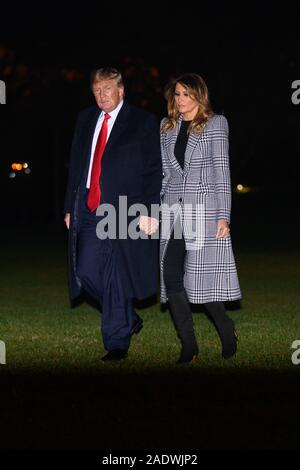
(240, 188)
(27, 171)
(12, 174)
(25, 165)
(17, 166)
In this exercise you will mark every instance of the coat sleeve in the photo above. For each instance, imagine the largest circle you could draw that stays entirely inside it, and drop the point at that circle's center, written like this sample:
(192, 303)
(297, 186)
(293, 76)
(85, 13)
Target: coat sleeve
(71, 171)
(152, 172)
(165, 169)
(220, 158)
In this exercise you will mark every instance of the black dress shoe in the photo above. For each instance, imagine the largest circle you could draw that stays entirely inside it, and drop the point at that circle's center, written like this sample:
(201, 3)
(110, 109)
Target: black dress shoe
(115, 355)
(136, 326)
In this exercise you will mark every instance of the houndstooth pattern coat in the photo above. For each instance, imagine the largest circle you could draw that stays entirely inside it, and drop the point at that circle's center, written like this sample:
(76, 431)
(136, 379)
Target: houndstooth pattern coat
(200, 194)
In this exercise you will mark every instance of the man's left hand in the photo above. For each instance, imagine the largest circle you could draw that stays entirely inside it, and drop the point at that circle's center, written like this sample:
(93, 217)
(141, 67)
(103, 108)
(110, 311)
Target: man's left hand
(149, 225)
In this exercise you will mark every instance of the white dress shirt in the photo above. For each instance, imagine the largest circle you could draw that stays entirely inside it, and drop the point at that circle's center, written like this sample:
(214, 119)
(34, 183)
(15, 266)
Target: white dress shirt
(113, 115)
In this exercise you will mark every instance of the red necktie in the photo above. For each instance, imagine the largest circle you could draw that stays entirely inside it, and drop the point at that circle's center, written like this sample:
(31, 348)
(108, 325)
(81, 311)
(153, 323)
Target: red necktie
(94, 195)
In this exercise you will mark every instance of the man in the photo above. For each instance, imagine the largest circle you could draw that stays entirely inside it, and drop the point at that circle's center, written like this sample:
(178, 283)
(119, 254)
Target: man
(115, 152)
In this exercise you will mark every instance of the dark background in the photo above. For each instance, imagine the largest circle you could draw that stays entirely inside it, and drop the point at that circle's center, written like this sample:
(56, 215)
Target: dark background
(248, 55)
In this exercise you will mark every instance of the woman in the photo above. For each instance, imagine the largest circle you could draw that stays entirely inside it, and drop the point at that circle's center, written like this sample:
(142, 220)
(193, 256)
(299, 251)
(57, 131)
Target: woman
(197, 265)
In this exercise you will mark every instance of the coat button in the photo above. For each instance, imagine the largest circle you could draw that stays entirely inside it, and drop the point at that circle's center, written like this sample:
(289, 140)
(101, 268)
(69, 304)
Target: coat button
(180, 199)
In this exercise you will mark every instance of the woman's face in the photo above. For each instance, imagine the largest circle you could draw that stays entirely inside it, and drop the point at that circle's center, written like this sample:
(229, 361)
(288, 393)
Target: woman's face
(186, 104)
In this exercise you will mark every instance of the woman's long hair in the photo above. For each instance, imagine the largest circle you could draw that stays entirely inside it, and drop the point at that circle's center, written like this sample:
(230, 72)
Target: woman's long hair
(197, 89)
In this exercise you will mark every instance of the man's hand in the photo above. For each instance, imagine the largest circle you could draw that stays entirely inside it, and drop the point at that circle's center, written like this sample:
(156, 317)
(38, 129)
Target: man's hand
(148, 224)
(67, 219)
(222, 229)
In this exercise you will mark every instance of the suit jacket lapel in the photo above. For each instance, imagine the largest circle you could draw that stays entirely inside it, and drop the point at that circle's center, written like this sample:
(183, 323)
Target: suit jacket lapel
(119, 127)
(91, 125)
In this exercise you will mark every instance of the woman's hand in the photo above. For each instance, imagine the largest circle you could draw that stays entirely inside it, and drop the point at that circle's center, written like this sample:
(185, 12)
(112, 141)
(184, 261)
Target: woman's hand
(222, 228)
(67, 220)
(148, 224)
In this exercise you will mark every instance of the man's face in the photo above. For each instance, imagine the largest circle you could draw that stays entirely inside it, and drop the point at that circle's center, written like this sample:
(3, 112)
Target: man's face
(108, 94)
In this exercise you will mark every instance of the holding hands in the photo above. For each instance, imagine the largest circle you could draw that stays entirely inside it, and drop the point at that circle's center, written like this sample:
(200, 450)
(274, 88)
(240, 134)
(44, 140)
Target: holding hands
(148, 224)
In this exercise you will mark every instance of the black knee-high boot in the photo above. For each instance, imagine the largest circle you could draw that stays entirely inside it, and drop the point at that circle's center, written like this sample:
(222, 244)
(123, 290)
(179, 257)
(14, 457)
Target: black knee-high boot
(225, 327)
(183, 321)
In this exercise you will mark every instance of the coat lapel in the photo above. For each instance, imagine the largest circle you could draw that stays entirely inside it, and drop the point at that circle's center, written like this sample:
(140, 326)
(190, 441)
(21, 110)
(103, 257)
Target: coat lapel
(91, 125)
(171, 138)
(119, 127)
(192, 142)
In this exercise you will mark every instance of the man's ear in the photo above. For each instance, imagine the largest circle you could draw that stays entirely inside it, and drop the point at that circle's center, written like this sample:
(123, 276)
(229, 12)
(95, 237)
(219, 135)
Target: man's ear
(121, 91)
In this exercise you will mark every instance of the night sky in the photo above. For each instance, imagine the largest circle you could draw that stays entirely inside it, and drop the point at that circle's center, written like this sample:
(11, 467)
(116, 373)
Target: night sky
(247, 54)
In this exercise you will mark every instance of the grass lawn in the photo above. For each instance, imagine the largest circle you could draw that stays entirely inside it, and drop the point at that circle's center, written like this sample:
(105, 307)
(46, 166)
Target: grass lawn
(57, 393)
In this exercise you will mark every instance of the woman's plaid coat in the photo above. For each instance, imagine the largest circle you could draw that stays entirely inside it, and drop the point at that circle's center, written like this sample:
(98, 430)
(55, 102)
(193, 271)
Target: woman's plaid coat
(200, 194)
